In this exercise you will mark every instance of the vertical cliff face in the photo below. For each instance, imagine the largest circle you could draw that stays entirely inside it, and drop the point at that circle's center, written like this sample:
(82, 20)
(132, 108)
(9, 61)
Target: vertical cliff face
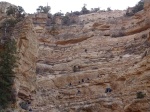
(83, 68)
(27, 46)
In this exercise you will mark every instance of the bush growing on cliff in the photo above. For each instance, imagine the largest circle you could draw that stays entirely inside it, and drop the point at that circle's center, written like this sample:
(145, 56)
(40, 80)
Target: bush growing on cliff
(7, 65)
(16, 11)
(140, 95)
(84, 10)
(138, 7)
(11, 10)
(109, 9)
(9, 22)
(65, 20)
(43, 9)
(6, 28)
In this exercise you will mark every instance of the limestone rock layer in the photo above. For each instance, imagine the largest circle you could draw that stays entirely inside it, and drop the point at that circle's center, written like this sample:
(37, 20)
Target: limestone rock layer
(78, 63)
(99, 64)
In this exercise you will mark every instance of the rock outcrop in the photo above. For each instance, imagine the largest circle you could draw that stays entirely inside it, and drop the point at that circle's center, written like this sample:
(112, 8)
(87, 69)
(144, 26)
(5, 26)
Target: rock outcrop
(81, 68)
(100, 64)
(27, 46)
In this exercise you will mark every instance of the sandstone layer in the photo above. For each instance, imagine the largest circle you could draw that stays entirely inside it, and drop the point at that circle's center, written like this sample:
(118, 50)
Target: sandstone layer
(70, 68)
(77, 63)
(27, 46)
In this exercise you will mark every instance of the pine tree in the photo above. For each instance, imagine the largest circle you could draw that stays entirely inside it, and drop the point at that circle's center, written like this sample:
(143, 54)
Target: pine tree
(7, 64)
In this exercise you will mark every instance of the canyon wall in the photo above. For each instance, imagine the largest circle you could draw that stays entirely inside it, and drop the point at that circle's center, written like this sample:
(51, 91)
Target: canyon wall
(101, 64)
(79, 64)
(27, 47)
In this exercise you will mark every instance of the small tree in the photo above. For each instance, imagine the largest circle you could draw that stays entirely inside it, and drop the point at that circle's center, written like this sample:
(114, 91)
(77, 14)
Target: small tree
(58, 14)
(109, 9)
(66, 20)
(84, 10)
(95, 9)
(46, 9)
(40, 9)
(77, 13)
(11, 10)
(16, 11)
(7, 65)
(140, 95)
(139, 6)
(20, 11)
(43, 9)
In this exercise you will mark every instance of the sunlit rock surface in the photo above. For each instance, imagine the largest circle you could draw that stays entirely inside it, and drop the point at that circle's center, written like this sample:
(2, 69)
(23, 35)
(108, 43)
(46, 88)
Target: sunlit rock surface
(77, 63)
(100, 64)
(27, 46)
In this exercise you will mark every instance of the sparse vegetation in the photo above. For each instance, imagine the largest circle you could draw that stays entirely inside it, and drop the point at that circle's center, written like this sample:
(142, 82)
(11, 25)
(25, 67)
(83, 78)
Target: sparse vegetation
(144, 36)
(109, 9)
(140, 95)
(58, 14)
(138, 7)
(43, 9)
(7, 64)
(9, 22)
(77, 13)
(16, 11)
(8, 58)
(24, 105)
(76, 68)
(84, 10)
(6, 28)
(95, 9)
(66, 20)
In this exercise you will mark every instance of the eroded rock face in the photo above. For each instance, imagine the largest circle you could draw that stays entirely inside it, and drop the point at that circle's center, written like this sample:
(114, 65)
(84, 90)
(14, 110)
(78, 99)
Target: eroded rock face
(77, 65)
(27, 51)
(81, 68)
(27, 46)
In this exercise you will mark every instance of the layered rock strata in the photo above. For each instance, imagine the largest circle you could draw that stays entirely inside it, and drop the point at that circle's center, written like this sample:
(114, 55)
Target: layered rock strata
(78, 64)
(27, 46)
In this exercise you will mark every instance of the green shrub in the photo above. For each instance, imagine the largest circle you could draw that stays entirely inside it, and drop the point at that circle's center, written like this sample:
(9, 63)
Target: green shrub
(76, 68)
(11, 10)
(6, 28)
(9, 23)
(66, 20)
(43, 9)
(140, 95)
(16, 11)
(144, 36)
(24, 105)
(7, 64)
(138, 7)
(109, 9)
(84, 10)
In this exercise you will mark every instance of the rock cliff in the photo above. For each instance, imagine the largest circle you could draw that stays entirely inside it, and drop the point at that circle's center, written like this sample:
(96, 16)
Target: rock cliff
(27, 51)
(27, 45)
(79, 64)
(100, 64)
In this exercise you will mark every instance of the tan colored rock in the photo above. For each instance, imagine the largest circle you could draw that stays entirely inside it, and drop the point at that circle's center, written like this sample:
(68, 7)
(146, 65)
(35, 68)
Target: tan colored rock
(73, 75)
(77, 64)
(27, 46)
